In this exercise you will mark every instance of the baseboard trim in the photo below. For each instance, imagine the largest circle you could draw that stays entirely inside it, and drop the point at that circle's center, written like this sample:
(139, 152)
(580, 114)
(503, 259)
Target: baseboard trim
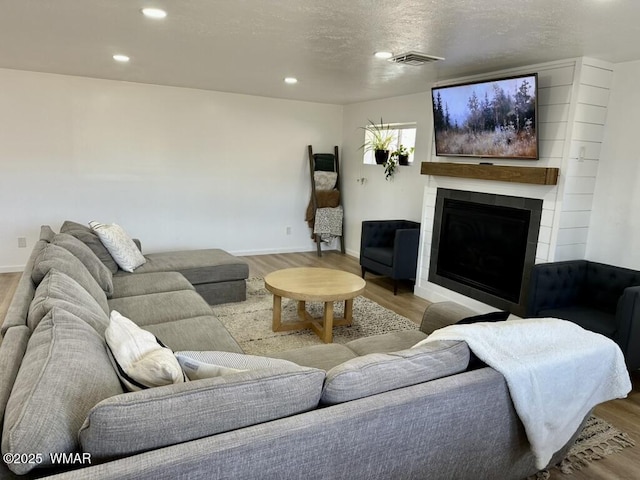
(12, 269)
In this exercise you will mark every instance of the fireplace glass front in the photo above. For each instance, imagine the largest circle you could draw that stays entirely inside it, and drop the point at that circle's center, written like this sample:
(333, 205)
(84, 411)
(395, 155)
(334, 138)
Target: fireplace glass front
(484, 245)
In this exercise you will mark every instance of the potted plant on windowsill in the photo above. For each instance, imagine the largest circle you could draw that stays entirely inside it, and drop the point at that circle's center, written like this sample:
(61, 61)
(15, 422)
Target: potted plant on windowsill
(378, 139)
(402, 154)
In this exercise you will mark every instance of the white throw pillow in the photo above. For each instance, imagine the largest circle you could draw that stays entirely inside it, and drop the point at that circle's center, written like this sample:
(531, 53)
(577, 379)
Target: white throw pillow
(120, 245)
(198, 365)
(140, 360)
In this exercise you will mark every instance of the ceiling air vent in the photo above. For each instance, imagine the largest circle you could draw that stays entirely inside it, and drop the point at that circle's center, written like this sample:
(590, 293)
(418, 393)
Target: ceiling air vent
(414, 58)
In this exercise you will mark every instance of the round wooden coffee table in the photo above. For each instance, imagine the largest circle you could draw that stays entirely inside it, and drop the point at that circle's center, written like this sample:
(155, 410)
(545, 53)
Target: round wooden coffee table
(309, 285)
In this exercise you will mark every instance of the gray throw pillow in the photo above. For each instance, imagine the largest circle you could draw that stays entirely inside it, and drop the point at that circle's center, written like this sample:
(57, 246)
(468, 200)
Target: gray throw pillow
(64, 373)
(96, 268)
(91, 239)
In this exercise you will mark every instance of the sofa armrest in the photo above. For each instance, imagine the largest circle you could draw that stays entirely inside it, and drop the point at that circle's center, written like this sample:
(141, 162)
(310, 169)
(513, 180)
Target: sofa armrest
(405, 252)
(555, 285)
(628, 320)
(442, 314)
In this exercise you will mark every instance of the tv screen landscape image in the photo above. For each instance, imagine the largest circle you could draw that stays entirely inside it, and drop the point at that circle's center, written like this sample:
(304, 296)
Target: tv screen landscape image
(488, 119)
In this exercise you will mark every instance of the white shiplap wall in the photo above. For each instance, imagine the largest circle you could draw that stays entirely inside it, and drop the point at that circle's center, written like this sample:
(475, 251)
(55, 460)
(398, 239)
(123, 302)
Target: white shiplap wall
(593, 81)
(571, 114)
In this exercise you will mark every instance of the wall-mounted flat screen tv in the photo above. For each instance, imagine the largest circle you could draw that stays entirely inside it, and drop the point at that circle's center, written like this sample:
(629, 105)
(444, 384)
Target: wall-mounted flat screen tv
(489, 119)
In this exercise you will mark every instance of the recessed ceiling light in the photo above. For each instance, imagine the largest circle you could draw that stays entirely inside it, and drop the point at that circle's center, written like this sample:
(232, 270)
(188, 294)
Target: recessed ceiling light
(383, 55)
(290, 80)
(154, 13)
(121, 58)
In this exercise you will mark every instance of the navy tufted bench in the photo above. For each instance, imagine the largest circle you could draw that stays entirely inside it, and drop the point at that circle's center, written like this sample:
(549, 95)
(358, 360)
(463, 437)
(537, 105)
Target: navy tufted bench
(602, 298)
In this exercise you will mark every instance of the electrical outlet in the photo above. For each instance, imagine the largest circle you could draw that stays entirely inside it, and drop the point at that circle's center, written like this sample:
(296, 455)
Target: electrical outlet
(288, 230)
(22, 242)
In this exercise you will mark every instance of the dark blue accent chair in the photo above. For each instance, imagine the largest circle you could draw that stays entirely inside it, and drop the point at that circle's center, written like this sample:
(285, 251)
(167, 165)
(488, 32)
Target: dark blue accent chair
(602, 298)
(390, 248)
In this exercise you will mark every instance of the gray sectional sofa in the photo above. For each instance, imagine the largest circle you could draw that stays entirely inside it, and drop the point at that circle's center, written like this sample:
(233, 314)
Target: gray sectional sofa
(370, 409)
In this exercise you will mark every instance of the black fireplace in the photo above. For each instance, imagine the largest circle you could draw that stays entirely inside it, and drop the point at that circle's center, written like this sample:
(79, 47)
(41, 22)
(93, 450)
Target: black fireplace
(484, 246)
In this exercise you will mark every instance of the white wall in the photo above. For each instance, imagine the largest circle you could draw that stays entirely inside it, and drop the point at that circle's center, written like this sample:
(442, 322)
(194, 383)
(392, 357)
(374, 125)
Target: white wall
(178, 168)
(377, 198)
(614, 236)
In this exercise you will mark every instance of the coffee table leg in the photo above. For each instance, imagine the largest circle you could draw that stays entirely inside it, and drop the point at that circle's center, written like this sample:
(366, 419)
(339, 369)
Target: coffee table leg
(327, 331)
(348, 310)
(302, 310)
(277, 312)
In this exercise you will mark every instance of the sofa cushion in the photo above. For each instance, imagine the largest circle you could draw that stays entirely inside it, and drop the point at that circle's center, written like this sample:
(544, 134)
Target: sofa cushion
(158, 417)
(46, 233)
(53, 256)
(64, 373)
(196, 333)
(96, 268)
(386, 342)
(91, 239)
(198, 365)
(381, 255)
(120, 245)
(145, 283)
(60, 290)
(139, 359)
(161, 307)
(198, 266)
(379, 372)
(324, 357)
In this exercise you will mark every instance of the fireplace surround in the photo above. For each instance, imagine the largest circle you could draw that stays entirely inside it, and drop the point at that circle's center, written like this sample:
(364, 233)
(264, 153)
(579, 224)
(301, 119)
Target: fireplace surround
(484, 246)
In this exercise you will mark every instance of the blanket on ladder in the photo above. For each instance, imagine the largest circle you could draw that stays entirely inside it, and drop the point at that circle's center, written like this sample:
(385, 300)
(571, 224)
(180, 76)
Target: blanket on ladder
(556, 372)
(328, 223)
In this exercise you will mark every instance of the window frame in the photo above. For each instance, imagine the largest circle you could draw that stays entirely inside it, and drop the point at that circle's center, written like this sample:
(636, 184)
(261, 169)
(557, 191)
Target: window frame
(368, 157)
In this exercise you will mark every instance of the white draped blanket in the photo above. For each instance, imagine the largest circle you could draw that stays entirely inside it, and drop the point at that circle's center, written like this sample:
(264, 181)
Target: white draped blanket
(556, 372)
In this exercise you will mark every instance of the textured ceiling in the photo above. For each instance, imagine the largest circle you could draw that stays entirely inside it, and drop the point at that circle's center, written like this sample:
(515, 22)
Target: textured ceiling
(249, 46)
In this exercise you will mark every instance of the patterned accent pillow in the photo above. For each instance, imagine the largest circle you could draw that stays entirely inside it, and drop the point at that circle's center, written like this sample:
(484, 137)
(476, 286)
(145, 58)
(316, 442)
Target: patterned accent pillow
(120, 245)
(199, 365)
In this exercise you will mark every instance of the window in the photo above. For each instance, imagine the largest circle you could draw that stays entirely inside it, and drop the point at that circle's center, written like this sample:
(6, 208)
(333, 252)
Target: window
(403, 134)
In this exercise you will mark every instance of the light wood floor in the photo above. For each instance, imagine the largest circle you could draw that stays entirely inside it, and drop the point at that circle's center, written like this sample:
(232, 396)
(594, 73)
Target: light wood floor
(624, 414)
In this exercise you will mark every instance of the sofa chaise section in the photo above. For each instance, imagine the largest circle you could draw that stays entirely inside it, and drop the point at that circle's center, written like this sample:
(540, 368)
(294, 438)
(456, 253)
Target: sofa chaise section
(217, 276)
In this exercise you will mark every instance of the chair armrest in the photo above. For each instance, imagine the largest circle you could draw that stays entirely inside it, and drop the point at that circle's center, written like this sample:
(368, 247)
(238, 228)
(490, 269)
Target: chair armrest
(627, 335)
(405, 252)
(555, 285)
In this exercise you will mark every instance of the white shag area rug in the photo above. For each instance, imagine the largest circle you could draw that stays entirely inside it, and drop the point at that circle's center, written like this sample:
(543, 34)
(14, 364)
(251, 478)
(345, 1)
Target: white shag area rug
(250, 322)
